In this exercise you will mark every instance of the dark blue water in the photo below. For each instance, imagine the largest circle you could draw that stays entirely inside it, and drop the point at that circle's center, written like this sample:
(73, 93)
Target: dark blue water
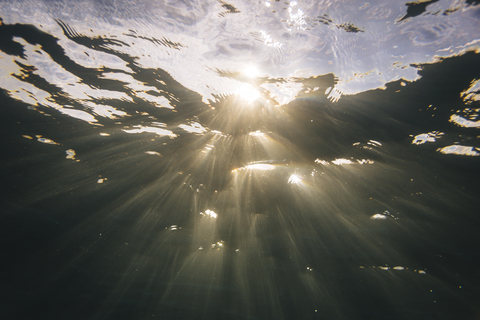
(270, 160)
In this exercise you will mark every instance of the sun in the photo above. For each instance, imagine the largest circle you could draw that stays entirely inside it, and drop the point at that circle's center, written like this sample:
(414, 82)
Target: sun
(251, 71)
(248, 93)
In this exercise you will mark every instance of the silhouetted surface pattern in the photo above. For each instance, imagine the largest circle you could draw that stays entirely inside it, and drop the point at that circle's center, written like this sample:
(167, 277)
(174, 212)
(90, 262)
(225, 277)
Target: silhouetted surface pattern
(174, 207)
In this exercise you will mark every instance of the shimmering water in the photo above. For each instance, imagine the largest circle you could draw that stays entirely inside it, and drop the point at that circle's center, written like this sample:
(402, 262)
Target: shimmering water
(240, 160)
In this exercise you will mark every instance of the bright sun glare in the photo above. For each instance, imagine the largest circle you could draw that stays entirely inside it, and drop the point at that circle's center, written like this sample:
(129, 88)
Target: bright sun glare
(251, 71)
(294, 179)
(248, 93)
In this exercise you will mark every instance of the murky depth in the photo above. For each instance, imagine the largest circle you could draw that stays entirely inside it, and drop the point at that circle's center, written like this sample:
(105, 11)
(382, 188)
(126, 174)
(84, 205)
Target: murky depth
(275, 160)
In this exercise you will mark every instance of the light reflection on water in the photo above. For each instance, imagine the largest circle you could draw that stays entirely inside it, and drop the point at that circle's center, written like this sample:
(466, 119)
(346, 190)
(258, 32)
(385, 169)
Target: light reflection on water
(229, 160)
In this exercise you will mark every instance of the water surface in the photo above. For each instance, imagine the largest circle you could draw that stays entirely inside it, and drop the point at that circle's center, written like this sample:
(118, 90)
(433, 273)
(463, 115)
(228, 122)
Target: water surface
(240, 160)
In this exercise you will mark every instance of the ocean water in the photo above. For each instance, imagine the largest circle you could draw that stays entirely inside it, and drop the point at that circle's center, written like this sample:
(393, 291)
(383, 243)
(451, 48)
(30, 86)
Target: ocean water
(240, 159)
